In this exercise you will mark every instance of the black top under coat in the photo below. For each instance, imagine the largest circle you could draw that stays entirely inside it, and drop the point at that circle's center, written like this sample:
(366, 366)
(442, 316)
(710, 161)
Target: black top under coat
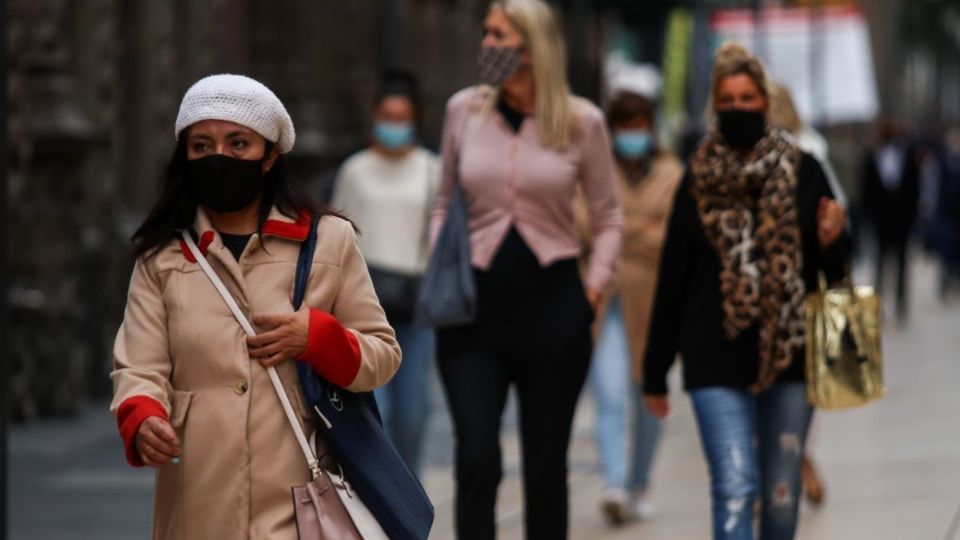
(236, 243)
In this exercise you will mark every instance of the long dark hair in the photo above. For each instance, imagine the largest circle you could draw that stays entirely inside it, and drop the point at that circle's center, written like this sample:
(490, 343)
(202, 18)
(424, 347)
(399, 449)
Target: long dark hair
(176, 206)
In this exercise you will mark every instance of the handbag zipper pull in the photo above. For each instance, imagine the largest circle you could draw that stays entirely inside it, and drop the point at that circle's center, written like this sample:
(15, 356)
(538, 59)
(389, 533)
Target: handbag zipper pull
(322, 417)
(314, 469)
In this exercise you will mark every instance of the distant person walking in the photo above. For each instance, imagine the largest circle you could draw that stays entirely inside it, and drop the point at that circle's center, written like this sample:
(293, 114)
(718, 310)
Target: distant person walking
(753, 223)
(647, 177)
(519, 146)
(784, 114)
(890, 185)
(946, 218)
(387, 190)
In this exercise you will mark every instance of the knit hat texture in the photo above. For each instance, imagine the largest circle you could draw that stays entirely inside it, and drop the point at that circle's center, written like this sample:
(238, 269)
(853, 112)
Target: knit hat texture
(239, 99)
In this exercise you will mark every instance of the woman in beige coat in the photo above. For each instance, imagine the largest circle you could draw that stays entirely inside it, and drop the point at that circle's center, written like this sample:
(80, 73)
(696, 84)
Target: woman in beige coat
(647, 178)
(191, 394)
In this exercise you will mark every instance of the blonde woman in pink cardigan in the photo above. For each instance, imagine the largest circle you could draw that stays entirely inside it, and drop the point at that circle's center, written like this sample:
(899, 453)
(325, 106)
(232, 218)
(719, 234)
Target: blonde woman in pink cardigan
(519, 146)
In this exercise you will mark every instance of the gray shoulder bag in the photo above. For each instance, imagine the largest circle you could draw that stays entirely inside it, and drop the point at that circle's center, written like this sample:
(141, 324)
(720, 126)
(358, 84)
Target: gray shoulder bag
(448, 293)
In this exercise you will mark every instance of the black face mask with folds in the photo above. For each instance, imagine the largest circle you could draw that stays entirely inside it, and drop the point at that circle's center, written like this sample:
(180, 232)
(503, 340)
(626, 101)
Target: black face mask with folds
(741, 128)
(225, 184)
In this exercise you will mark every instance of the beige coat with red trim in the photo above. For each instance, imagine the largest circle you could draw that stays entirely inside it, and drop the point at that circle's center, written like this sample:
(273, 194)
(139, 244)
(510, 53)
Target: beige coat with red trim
(181, 354)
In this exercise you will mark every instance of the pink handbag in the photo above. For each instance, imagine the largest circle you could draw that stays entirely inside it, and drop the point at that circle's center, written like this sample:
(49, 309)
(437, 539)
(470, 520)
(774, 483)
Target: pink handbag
(320, 512)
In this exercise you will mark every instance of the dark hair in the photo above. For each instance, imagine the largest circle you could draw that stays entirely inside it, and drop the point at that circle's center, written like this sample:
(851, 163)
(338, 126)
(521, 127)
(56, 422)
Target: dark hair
(398, 83)
(626, 106)
(176, 206)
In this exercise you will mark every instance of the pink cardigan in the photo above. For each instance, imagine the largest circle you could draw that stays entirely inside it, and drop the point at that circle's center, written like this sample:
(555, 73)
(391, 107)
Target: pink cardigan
(513, 179)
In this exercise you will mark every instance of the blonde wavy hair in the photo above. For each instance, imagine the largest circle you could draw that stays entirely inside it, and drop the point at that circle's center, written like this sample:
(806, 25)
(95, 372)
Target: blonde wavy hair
(553, 112)
(782, 110)
(731, 59)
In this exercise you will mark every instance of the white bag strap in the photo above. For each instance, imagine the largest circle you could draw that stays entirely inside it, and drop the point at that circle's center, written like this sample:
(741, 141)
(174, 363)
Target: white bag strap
(308, 453)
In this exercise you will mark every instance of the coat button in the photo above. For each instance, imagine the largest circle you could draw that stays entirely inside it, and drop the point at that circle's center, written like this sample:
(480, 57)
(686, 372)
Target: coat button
(240, 387)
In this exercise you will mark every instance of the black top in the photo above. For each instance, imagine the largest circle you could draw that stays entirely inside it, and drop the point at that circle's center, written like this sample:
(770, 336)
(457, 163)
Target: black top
(513, 117)
(892, 212)
(235, 243)
(687, 314)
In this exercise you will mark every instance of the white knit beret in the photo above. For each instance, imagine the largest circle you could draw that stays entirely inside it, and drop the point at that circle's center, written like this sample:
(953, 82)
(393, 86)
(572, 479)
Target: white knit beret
(239, 99)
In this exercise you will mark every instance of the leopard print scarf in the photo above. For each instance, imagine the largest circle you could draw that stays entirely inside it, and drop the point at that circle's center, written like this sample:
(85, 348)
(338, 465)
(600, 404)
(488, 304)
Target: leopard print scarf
(748, 210)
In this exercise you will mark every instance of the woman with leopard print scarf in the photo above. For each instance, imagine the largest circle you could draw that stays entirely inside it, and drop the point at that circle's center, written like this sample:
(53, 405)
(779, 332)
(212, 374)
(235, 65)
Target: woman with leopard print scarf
(753, 224)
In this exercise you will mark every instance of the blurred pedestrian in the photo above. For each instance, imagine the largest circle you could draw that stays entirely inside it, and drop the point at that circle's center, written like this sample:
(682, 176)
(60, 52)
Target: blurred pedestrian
(647, 177)
(387, 190)
(890, 180)
(783, 113)
(945, 159)
(189, 399)
(950, 189)
(519, 146)
(753, 223)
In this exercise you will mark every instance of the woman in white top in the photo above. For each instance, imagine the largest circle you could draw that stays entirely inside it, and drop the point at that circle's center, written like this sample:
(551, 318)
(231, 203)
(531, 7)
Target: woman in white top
(387, 190)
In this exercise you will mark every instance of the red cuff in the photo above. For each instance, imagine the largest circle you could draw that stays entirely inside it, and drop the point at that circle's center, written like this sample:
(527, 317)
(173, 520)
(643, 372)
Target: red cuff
(333, 352)
(131, 413)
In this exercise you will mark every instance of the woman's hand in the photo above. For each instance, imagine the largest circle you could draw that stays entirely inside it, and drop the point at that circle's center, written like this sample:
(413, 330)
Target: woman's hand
(156, 442)
(286, 339)
(593, 298)
(831, 219)
(658, 406)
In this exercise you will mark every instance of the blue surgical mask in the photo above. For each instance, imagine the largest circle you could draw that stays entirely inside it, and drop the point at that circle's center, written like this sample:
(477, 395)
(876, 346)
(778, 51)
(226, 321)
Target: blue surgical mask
(393, 135)
(632, 144)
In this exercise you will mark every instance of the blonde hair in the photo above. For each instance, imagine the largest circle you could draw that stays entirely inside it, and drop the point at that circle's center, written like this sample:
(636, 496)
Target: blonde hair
(782, 110)
(553, 112)
(731, 59)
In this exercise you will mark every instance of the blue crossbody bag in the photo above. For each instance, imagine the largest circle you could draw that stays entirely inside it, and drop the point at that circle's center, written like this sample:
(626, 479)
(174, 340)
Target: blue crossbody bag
(353, 429)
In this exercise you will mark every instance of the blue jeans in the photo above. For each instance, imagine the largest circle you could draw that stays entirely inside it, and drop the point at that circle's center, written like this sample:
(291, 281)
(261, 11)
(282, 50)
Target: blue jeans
(405, 401)
(615, 393)
(754, 448)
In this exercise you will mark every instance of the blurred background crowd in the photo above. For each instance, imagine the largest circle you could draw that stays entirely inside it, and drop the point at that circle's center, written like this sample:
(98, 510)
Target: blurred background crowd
(93, 86)
(873, 87)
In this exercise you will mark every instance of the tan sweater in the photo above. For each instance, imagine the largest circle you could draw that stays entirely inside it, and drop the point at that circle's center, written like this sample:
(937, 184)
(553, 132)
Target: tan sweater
(646, 209)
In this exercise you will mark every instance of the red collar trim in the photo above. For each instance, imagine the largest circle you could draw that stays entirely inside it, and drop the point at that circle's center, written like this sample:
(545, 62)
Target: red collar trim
(299, 230)
(205, 240)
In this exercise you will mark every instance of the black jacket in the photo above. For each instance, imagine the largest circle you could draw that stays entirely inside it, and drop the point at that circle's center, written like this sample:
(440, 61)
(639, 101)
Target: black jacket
(687, 314)
(892, 212)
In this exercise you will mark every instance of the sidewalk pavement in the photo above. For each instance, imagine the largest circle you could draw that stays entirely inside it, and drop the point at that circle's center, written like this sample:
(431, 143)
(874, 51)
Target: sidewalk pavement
(892, 469)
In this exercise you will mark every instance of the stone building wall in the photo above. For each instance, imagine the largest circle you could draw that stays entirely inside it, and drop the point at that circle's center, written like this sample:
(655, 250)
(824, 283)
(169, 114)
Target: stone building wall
(93, 91)
(62, 184)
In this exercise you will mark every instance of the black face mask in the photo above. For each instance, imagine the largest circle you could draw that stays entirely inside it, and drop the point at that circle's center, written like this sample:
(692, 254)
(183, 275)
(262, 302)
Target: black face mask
(225, 184)
(740, 128)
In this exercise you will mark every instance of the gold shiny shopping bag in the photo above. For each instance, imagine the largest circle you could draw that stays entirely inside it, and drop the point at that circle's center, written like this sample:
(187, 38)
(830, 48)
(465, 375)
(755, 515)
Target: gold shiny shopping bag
(844, 362)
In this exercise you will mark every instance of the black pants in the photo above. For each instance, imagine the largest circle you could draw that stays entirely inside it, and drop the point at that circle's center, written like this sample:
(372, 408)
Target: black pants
(532, 331)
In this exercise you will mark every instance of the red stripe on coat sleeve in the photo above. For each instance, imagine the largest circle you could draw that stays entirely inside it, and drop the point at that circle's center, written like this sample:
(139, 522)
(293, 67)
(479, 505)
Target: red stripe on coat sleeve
(333, 352)
(131, 413)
